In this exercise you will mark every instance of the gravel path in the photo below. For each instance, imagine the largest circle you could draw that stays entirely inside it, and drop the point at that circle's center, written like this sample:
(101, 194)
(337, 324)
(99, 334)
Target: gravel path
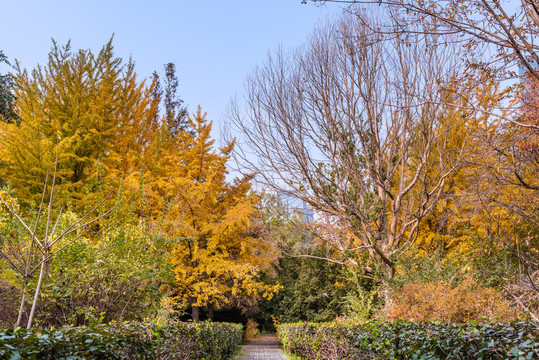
(265, 347)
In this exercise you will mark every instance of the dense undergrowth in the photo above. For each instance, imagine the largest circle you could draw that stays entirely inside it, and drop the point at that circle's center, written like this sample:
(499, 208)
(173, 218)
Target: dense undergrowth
(408, 340)
(181, 341)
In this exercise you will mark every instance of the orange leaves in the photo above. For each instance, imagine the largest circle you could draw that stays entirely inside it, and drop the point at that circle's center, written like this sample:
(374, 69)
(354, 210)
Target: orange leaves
(441, 302)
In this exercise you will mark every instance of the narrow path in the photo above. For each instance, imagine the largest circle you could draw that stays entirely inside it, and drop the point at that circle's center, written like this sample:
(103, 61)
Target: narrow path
(265, 347)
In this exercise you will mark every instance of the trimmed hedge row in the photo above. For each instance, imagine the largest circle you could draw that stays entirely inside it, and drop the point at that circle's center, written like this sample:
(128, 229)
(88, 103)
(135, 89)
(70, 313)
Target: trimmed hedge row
(407, 340)
(183, 341)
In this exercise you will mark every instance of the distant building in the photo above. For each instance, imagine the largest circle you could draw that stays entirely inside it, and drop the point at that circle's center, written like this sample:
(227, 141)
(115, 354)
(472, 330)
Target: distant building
(297, 206)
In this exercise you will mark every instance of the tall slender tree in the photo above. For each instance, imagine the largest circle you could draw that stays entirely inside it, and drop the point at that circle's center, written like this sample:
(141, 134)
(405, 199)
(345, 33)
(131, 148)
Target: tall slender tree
(7, 111)
(175, 112)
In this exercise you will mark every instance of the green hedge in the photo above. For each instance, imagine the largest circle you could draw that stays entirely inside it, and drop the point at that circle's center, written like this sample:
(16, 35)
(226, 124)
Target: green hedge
(185, 341)
(407, 340)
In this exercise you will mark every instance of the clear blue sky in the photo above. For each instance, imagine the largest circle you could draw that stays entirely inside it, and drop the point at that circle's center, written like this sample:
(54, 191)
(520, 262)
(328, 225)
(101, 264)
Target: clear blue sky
(214, 43)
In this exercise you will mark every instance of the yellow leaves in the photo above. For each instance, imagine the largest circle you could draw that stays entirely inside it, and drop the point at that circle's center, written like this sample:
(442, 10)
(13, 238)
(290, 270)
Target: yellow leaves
(270, 291)
(234, 223)
(215, 278)
(216, 256)
(167, 309)
(276, 322)
(103, 119)
(425, 239)
(10, 201)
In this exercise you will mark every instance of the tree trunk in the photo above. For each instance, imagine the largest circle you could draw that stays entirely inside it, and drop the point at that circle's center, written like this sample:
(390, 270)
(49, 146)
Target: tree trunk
(38, 289)
(210, 312)
(385, 292)
(195, 313)
(23, 300)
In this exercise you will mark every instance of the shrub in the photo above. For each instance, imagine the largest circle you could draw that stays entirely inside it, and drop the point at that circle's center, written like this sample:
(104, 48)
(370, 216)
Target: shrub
(441, 302)
(322, 341)
(181, 341)
(251, 330)
(408, 340)
(9, 301)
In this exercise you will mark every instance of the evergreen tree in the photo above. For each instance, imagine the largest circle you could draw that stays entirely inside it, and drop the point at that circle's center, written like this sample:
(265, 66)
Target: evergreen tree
(175, 112)
(7, 111)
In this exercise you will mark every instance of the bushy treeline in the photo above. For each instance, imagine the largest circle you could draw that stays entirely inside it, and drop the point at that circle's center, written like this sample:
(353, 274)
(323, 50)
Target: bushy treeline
(138, 205)
(187, 341)
(409, 340)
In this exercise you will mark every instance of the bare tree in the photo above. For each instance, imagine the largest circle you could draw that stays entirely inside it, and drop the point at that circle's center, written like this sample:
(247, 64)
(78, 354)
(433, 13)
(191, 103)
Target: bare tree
(500, 41)
(46, 246)
(355, 125)
(510, 26)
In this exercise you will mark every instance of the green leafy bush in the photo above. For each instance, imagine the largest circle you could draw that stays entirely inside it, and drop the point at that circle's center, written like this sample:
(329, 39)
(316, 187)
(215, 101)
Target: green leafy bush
(184, 341)
(408, 340)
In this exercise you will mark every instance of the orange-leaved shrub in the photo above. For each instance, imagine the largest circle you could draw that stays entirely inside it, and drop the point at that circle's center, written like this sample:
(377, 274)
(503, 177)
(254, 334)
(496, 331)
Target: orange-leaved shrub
(441, 302)
(251, 330)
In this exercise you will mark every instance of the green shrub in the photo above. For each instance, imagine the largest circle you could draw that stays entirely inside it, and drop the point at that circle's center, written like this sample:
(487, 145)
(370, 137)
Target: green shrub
(184, 341)
(408, 340)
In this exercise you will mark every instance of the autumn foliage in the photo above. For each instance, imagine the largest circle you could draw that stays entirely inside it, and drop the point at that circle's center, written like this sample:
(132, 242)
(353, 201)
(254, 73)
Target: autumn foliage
(216, 256)
(181, 229)
(416, 172)
(441, 302)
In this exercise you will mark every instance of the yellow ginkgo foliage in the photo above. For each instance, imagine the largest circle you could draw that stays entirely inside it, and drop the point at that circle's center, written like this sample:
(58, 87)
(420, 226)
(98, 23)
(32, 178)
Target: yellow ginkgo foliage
(217, 257)
(93, 110)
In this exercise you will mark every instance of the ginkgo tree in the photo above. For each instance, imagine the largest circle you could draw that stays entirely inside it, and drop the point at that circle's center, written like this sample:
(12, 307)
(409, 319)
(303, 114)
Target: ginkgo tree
(92, 105)
(105, 124)
(217, 257)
